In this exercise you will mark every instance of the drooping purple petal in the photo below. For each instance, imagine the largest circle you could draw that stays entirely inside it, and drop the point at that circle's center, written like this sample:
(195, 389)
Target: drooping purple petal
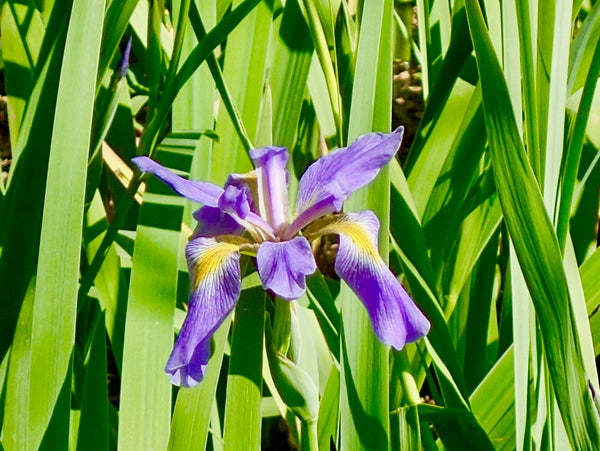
(331, 179)
(201, 192)
(395, 318)
(283, 266)
(272, 178)
(212, 222)
(215, 281)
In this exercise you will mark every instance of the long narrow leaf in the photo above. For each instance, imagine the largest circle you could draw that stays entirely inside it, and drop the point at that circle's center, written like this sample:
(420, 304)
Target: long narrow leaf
(535, 243)
(244, 384)
(189, 426)
(149, 325)
(364, 418)
(53, 329)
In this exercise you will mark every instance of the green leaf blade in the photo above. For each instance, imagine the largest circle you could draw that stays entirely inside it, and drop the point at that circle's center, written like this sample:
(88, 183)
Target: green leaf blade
(149, 325)
(535, 243)
(53, 329)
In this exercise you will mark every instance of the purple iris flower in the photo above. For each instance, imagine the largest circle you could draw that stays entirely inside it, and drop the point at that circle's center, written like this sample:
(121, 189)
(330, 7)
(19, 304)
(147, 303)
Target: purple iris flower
(257, 203)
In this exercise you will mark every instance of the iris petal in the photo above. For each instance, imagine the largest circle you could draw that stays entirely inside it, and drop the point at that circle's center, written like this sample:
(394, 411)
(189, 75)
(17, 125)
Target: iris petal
(395, 317)
(246, 182)
(272, 178)
(201, 192)
(236, 200)
(215, 288)
(283, 266)
(212, 222)
(331, 179)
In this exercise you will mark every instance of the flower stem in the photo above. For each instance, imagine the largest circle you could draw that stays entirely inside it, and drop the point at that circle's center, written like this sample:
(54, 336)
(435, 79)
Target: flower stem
(309, 437)
(111, 233)
(282, 323)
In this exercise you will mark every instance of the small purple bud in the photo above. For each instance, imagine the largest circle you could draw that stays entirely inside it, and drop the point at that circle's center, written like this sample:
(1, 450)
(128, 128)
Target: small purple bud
(123, 66)
(594, 395)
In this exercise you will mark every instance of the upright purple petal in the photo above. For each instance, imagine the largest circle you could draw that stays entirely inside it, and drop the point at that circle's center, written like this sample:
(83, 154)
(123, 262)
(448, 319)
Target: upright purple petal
(215, 280)
(317, 210)
(272, 178)
(395, 317)
(212, 222)
(247, 183)
(331, 179)
(283, 266)
(201, 192)
(236, 200)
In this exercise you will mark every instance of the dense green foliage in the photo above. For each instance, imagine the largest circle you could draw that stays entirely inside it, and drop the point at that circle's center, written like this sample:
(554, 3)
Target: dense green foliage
(489, 217)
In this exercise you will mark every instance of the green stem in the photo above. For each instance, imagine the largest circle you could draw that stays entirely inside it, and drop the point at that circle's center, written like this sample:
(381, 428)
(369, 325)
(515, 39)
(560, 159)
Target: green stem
(154, 55)
(282, 326)
(575, 147)
(322, 51)
(106, 113)
(309, 436)
(124, 205)
(217, 74)
(184, 8)
(242, 423)
(424, 41)
(409, 386)
(529, 92)
(403, 17)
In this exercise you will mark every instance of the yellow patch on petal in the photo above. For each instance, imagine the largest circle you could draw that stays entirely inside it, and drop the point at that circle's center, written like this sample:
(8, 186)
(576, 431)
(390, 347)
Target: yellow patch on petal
(354, 231)
(210, 261)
